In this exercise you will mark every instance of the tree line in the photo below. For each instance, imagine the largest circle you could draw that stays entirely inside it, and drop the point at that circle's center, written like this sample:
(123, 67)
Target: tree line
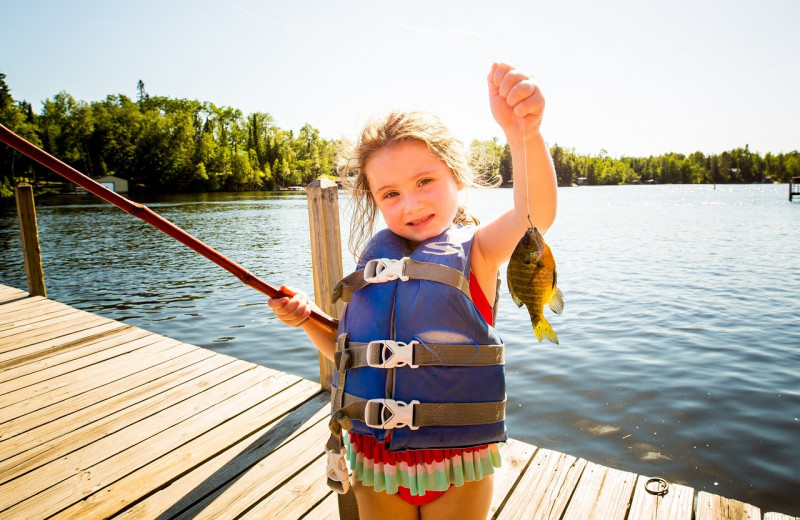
(163, 144)
(737, 166)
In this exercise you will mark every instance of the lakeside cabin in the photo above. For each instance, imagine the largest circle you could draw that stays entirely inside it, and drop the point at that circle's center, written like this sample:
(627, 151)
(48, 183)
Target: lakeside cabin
(112, 182)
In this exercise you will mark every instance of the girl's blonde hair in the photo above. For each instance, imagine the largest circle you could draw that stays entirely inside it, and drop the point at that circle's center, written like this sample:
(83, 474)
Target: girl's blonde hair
(382, 132)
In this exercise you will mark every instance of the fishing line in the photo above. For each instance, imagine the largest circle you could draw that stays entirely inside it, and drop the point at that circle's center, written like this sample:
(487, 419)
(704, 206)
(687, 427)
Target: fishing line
(525, 162)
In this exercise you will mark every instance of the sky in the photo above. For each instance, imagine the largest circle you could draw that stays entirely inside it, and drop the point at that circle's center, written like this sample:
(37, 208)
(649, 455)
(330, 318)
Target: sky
(633, 78)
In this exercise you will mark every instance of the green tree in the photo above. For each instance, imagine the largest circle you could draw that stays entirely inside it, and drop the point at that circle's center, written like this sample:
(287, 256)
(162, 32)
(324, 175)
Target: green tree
(67, 126)
(19, 118)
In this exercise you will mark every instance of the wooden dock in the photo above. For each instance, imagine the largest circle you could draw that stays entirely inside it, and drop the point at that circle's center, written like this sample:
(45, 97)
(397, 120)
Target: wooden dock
(99, 419)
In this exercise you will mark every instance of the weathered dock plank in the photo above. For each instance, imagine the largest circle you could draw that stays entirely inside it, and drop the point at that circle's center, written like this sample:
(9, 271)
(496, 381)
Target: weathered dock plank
(778, 516)
(39, 349)
(40, 368)
(41, 324)
(24, 316)
(57, 389)
(328, 509)
(714, 507)
(263, 479)
(516, 456)
(213, 476)
(602, 494)
(13, 339)
(49, 430)
(103, 420)
(103, 461)
(109, 347)
(10, 293)
(29, 306)
(75, 435)
(545, 487)
(676, 504)
(185, 470)
(295, 497)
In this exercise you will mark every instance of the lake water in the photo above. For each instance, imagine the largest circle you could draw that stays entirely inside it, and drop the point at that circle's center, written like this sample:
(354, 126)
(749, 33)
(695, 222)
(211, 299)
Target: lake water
(680, 337)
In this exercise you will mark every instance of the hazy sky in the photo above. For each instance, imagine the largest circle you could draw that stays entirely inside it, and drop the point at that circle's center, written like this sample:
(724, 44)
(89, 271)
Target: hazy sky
(632, 77)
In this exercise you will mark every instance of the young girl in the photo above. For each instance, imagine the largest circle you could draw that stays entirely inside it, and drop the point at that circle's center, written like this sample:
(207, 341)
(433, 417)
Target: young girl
(420, 372)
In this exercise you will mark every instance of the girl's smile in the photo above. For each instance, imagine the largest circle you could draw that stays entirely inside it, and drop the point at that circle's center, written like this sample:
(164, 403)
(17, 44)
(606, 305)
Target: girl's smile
(421, 221)
(414, 190)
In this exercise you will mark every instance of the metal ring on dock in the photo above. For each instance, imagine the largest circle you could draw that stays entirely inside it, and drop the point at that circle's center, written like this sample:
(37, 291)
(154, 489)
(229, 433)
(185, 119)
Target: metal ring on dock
(661, 489)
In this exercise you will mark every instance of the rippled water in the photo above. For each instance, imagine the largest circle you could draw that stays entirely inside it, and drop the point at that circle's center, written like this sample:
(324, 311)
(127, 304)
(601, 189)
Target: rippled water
(680, 338)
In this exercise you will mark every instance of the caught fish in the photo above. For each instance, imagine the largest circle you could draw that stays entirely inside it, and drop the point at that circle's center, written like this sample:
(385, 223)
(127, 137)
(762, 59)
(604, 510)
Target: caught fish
(531, 278)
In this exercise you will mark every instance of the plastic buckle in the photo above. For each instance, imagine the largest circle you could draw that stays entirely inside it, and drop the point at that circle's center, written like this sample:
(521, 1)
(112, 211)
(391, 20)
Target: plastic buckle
(338, 476)
(385, 269)
(387, 353)
(393, 414)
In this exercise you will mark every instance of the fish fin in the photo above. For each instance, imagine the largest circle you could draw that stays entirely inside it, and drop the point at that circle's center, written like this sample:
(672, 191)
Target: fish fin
(512, 293)
(543, 331)
(556, 302)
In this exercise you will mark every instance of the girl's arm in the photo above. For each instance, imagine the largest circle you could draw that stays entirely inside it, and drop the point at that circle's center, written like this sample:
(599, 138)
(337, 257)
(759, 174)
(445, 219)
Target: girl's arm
(517, 105)
(295, 312)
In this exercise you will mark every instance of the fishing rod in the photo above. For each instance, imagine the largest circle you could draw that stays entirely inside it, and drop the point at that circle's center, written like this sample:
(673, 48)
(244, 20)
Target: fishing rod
(154, 219)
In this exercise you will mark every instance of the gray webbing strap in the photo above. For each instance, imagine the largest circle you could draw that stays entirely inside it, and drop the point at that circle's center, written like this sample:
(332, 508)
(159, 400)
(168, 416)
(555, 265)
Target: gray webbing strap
(412, 269)
(348, 507)
(341, 365)
(345, 287)
(427, 414)
(430, 355)
(438, 273)
(459, 414)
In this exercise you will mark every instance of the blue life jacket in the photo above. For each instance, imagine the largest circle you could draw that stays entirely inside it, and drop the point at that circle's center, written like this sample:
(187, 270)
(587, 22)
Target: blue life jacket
(441, 319)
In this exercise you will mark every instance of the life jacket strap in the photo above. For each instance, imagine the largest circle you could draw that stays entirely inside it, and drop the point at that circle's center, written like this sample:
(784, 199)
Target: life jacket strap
(389, 413)
(386, 353)
(336, 471)
(385, 270)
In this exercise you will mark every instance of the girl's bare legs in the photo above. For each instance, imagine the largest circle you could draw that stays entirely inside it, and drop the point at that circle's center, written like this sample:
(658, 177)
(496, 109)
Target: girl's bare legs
(471, 501)
(375, 505)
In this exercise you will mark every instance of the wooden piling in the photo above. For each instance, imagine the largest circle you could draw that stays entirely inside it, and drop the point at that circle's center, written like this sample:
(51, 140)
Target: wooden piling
(26, 212)
(326, 254)
(794, 188)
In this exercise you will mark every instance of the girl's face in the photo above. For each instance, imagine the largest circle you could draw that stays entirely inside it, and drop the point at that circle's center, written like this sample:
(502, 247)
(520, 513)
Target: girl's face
(414, 190)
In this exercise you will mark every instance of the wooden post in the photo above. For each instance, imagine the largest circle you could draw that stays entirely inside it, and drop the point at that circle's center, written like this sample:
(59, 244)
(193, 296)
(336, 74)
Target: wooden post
(326, 255)
(26, 212)
(794, 187)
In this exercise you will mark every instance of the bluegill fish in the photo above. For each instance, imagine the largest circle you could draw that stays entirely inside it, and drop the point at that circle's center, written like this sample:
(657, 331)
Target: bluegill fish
(531, 278)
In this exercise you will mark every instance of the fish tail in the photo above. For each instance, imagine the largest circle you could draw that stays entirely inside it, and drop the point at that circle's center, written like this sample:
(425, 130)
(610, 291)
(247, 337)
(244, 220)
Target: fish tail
(543, 330)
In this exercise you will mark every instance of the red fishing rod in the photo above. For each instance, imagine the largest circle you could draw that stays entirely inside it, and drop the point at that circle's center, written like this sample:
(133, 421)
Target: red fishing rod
(154, 219)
